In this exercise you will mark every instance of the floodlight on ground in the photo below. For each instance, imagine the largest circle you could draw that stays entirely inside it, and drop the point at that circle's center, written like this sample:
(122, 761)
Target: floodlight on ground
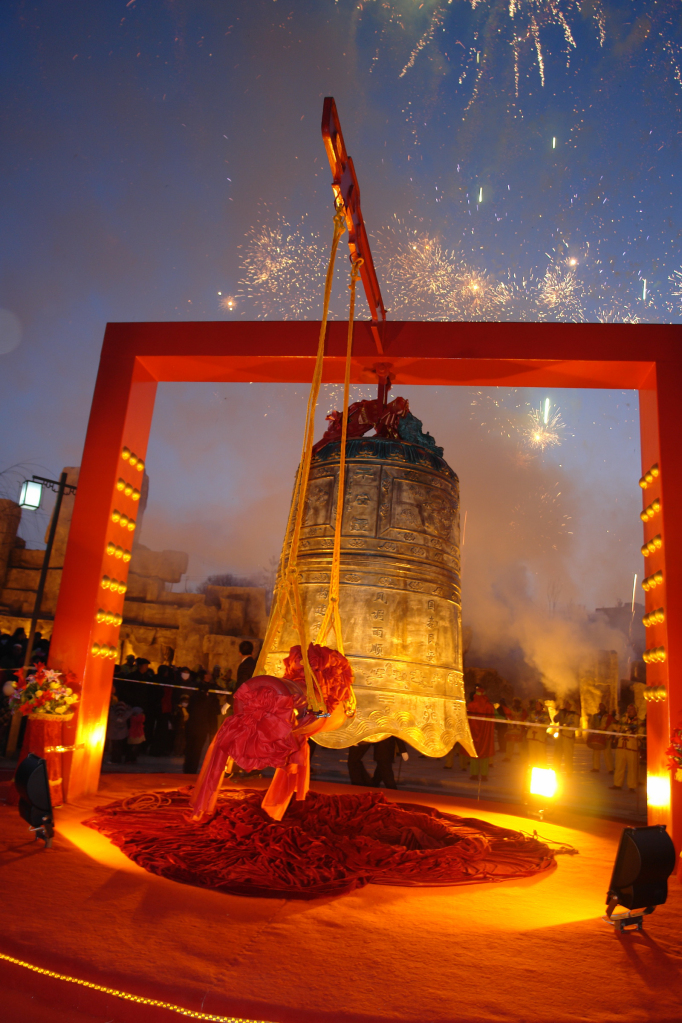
(658, 790)
(543, 782)
(30, 495)
(35, 803)
(644, 862)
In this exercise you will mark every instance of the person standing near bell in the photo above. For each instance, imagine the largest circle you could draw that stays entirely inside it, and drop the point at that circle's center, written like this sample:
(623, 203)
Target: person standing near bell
(482, 733)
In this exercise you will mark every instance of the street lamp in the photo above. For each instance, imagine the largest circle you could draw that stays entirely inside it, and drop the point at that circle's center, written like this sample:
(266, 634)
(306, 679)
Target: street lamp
(31, 493)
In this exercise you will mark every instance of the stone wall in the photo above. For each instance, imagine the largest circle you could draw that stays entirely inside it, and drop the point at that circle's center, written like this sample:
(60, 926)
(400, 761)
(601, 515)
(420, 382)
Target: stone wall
(196, 629)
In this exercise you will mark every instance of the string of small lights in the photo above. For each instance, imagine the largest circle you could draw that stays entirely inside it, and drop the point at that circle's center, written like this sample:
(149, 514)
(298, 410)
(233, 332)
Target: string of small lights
(126, 996)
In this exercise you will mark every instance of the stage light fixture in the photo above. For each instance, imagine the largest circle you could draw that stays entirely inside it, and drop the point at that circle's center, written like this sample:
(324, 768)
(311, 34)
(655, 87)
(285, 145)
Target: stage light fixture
(30, 495)
(35, 804)
(125, 454)
(639, 882)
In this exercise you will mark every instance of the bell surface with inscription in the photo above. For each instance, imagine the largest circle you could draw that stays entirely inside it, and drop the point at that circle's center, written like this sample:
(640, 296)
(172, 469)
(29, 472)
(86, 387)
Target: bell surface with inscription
(399, 594)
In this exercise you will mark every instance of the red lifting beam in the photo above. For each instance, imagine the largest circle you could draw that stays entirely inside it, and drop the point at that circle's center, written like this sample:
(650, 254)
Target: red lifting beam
(347, 195)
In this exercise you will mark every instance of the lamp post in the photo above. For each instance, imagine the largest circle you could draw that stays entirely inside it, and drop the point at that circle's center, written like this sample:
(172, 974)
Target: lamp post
(30, 497)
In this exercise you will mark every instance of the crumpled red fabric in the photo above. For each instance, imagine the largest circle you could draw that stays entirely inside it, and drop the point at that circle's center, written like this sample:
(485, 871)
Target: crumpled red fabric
(270, 727)
(326, 845)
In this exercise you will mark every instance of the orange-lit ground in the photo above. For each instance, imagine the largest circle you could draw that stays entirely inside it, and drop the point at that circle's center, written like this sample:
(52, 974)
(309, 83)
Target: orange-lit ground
(520, 951)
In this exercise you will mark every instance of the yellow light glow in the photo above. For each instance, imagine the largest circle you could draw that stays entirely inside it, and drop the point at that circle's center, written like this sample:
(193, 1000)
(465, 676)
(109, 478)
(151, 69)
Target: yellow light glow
(106, 581)
(127, 489)
(127, 555)
(115, 515)
(140, 465)
(543, 782)
(131, 524)
(658, 790)
(136, 495)
(120, 484)
(111, 547)
(95, 736)
(95, 649)
(133, 458)
(125, 454)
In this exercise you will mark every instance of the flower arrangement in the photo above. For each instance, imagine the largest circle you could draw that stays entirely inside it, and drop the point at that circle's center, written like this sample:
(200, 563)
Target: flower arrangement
(674, 751)
(44, 693)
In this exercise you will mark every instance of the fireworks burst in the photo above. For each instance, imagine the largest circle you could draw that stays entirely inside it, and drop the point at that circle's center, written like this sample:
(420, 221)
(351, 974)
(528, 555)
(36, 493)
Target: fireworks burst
(284, 270)
(422, 274)
(227, 302)
(545, 427)
(560, 291)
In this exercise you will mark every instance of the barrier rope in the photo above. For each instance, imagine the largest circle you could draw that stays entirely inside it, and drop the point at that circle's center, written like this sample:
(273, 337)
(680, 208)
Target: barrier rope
(126, 996)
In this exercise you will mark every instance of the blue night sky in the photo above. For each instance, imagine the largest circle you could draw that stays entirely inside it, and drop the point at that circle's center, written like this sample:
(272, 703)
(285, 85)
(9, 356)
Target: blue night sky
(517, 161)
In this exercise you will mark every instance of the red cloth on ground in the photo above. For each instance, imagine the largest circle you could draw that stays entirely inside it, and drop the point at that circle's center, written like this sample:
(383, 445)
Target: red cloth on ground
(482, 732)
(326, 844)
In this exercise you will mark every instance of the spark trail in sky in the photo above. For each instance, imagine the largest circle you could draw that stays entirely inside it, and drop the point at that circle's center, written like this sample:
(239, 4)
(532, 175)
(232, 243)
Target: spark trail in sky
(545, 427)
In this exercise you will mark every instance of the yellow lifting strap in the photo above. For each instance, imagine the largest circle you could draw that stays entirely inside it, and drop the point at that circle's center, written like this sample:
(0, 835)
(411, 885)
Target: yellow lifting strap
(332, 617)
(288, 591)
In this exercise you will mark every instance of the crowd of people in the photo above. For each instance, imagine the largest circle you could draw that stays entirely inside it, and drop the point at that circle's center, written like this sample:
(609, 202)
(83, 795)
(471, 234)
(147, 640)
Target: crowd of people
(174, 711)
(526, 729)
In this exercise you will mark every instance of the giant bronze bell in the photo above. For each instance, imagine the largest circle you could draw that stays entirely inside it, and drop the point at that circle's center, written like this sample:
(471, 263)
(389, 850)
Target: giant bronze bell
(399, 586)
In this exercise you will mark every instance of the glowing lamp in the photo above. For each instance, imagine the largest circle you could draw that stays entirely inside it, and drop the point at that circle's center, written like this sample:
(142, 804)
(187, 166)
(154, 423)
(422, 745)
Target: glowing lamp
(125, 454)
(656, 505)
(133, 459)
(126, 555)
(645, 550)
(543, 782)
(658, 790)
(111, 547)
(649, 478)
(115, 515)
(643, 483)
(659, 577)
(106, 582)
(124, 520)
(30, 495)
(127, 489)
(136, 495)
(95, 649)
(655, 471)
(118, 552)
(120, 484)
(122, 587)
(140, 465)
(99, 617)
(644, 515)
(657, 541)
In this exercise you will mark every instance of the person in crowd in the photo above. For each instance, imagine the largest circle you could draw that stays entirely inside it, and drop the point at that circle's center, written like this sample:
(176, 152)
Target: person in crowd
(136, 737)
(127, 668)
(600, 745)
(357, 771)
(503, 712)
(568, 720)
(462, 755)
(482, 733)
(139, 693)
(627, 750)
(162, 744)
(537, 737)
(515, 735)
(180, 718)
(384, 754)
(117, 730)
(248, 663)
(202, 722)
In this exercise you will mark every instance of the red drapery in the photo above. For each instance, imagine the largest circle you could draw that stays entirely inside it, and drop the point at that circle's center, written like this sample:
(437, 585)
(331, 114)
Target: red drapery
(325, 845)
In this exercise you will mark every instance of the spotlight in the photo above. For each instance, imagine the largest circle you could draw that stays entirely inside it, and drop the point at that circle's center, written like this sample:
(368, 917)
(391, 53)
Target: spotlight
(543, 787)
(644, 862)
(35, 804)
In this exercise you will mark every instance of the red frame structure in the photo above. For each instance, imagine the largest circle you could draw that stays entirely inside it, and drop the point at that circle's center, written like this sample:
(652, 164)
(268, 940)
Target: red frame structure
(136, 356)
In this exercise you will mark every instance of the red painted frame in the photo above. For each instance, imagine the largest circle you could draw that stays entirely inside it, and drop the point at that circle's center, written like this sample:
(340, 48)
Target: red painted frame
(135, 356)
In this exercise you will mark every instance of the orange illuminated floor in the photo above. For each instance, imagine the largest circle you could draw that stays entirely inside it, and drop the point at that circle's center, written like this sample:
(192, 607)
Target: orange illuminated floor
(530, 950)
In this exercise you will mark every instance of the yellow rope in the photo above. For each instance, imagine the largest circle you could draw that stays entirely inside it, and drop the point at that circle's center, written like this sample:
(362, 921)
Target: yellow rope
(288, 589)
(332, 615)
(126, 996)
